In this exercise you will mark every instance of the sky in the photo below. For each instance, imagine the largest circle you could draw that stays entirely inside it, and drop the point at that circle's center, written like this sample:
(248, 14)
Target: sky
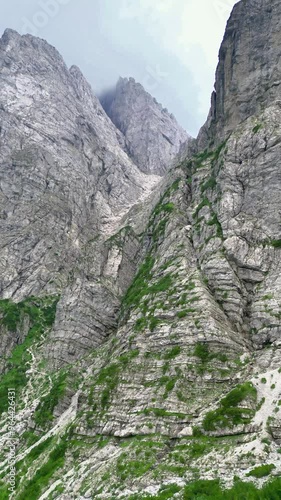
(169, 46)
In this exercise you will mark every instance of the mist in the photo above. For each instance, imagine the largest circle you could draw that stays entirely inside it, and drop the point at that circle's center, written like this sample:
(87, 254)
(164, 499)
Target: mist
(169, 46)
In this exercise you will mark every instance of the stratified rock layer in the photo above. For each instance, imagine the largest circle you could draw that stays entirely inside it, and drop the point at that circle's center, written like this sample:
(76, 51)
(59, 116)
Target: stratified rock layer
(65, 183)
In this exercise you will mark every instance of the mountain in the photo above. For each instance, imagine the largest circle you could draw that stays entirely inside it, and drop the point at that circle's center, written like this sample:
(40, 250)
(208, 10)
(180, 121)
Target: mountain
(140, 312)
(153, 137)
(66, 183)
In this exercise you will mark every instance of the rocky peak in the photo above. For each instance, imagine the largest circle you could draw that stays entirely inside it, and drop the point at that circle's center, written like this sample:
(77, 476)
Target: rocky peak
(65, 180)
(153, 136)
(29, 54)
(248, 75)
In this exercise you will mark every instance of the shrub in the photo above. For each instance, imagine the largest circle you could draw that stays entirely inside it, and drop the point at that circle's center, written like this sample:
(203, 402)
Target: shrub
(168, 207)
(239, 394)
(182, 314)
(201, 351)
(173, 353)
(203, 489)
(229, 414)
(261, 471)
(154, 322)
(11, 314)
(170, 386)
(276, 243)
(196, 432)
(257, 128)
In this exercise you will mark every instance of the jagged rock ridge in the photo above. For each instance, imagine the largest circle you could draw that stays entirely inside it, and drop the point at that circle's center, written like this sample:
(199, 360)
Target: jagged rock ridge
(153, 136)
(66, 182)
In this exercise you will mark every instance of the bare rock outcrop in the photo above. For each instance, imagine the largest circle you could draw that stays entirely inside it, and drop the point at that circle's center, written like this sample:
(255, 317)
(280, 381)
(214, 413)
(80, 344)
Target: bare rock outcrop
(153, 136)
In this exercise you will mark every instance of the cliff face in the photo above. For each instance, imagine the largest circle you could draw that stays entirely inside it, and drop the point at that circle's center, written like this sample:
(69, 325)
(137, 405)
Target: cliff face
(153, 136)
(248, 73)
(143, 327)
(66, 183)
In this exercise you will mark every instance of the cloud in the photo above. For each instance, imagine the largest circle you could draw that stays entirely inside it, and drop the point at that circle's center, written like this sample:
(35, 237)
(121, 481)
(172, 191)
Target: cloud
(190, 30)
(170, 46)
(132, 9)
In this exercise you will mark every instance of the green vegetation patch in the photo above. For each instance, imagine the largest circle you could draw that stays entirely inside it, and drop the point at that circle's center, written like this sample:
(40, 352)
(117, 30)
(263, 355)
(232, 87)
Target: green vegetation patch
(204, 203)
(24, 465)
(173, 353)
(41, 313)
(198, 160)
(262, 471)
(133, 468)
(145, 282)
(213, 490)
(209, 184)
(257, 128)
(202, 352)
(229, 413)
(44, 474)
(275, 243)
(161, 412)
(214, 221)
(119, 238)
(108, 377)
(139, 457)
(141, 285)
(44, 412)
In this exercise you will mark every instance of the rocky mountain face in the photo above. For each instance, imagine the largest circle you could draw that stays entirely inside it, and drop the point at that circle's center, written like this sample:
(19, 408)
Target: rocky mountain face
(153, 136)
(140, 313)
(66, 183)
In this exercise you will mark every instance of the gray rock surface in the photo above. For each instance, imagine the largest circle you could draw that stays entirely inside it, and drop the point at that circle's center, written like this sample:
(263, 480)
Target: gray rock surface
(248, 74)
(153, 136)
(65, 182)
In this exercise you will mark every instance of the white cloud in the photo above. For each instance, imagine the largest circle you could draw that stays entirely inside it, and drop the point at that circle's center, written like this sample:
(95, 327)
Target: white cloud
(192, 30)
(171, 46)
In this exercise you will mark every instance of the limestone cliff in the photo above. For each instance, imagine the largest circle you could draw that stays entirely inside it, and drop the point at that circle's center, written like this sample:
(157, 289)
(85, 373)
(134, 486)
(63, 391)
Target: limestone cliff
(66, 183)
(153, 137)
(140, 319)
